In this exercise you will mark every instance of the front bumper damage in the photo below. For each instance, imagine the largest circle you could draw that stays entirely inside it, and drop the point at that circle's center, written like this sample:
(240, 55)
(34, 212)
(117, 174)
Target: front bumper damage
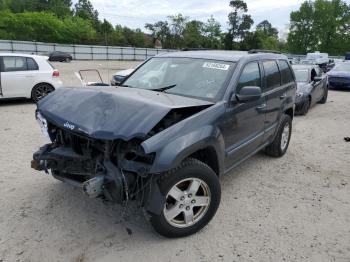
(99, 176)
(95, 179)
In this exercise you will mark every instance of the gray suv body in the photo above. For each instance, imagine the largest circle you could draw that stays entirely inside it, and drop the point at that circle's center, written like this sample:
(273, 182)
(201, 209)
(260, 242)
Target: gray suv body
(166, 135)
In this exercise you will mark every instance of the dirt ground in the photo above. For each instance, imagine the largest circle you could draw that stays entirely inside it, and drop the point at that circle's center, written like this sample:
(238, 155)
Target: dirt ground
(295, 208)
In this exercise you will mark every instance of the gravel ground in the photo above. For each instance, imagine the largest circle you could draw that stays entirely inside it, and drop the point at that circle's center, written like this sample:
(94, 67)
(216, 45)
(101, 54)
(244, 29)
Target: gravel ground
(291, 209)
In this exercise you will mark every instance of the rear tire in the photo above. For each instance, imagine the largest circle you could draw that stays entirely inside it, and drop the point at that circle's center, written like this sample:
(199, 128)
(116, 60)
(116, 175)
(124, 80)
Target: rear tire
(40, 91)
(325, 96)
(280, 144)
(68, 60)
(192, 196)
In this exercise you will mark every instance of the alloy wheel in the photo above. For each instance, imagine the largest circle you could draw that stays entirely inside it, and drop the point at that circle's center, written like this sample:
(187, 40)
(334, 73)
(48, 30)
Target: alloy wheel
(187, 202)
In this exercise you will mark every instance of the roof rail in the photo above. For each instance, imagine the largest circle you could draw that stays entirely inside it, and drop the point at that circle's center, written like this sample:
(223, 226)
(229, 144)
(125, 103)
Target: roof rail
(256, 51)
(196, 49)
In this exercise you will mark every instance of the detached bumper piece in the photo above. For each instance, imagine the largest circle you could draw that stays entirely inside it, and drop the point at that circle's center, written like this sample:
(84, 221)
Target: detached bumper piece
(95, 177)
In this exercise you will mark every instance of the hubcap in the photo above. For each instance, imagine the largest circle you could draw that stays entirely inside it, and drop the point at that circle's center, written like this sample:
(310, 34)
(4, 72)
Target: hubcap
(285, 136)
(187, 202)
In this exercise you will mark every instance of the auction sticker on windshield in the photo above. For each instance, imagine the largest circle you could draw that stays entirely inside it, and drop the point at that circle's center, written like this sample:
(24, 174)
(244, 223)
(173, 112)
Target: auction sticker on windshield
(217, 66)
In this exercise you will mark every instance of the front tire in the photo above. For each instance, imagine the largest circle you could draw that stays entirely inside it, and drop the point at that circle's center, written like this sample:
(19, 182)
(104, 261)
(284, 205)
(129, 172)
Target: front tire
(40, 91)
(192, 196)
(281, 142)
(305, 108)
(325, 96)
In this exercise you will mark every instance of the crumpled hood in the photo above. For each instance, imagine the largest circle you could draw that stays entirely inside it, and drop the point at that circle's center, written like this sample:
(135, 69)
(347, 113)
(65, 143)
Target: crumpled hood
(111, 113)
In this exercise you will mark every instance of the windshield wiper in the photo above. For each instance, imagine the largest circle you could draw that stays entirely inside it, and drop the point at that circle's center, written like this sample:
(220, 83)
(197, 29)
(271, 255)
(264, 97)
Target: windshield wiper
(162, 89)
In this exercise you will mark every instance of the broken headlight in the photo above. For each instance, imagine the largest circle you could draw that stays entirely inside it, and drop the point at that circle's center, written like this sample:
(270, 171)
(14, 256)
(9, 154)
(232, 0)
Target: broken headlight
(43, 124)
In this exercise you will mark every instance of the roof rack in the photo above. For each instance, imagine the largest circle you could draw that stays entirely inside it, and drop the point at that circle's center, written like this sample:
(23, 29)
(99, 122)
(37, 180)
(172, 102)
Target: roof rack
(256, 51)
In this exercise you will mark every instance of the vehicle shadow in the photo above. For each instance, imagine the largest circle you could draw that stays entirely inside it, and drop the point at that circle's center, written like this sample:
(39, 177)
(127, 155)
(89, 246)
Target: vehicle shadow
(14, 102)
(97, 218)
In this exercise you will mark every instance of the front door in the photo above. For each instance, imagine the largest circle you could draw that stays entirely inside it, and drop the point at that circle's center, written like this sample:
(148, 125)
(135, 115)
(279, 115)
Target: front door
(243, 125)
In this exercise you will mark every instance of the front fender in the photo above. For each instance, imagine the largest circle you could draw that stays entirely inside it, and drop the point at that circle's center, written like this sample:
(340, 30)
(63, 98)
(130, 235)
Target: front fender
(173, 153)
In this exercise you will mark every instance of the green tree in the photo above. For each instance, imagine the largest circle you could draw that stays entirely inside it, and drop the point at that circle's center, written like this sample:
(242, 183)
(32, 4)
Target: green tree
(266, 27)
(160, 31)
(212, 32)
(193, 34)
(320, 25)
(61, 8)
(239, 23)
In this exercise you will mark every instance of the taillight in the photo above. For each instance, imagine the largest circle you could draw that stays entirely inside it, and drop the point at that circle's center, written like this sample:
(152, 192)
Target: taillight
(55, 73)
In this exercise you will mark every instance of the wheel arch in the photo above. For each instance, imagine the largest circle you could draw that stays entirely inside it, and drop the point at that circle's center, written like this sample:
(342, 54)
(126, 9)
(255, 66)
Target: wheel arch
(205, 144)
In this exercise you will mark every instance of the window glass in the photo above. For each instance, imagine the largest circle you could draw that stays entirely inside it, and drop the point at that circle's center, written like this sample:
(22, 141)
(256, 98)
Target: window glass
(286, 72)
(200, 78)
(14, 63)
(250, 76)
(31, 64)
(272, 74)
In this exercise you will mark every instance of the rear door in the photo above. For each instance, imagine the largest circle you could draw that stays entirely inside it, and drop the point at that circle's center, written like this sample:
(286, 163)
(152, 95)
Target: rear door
(275, 93)
(17, 76)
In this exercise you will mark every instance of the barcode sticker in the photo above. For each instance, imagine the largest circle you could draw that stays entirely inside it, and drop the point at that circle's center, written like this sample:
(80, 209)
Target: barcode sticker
(216, 66)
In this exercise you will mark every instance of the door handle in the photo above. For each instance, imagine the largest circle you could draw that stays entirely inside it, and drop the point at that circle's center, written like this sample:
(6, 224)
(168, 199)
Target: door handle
(262, 106)
(30, 76)
(283, 96)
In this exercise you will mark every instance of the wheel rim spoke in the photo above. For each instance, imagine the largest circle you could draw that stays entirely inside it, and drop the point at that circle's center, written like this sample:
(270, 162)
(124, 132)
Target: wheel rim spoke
(201, 201)
(172, 212)
(176, 193)
(194, 186)
(189, 217)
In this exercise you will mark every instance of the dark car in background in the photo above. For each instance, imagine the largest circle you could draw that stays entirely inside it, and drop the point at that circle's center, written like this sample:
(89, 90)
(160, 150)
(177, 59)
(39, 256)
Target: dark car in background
(58, 56)
(169, 131)
(347, 56)
(339, 77)
(312, 87)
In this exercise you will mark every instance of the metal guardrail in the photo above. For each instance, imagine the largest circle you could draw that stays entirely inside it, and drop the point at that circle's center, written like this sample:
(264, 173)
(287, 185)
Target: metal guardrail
(82, 52)
(94, 52)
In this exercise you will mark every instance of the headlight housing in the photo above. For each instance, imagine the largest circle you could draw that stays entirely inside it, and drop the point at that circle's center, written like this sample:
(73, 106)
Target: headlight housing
(43, 124)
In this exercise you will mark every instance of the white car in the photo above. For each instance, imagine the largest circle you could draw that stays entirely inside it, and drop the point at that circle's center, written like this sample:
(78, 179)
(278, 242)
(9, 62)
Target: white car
(119, 77)
(27, 76)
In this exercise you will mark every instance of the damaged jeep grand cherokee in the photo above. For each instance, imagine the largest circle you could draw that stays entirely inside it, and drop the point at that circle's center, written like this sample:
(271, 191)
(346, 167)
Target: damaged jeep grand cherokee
(166, 135)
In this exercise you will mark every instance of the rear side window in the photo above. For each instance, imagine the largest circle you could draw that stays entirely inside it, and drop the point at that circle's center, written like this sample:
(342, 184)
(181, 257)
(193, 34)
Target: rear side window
(14, 63)
(250, 76)
(272, 74)
(31, 64)
(18, 63)
(286, 73)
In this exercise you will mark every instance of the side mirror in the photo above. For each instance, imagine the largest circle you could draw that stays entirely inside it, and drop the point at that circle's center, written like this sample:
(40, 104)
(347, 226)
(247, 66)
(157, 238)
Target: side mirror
(317, 79)
(249, 94)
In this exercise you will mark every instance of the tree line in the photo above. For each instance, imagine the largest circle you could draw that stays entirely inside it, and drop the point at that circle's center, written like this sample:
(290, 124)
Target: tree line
(322, 25)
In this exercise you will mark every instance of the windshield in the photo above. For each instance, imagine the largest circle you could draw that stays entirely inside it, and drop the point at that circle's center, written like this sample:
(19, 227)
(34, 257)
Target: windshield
(301, 75)
(342, 67)
(191, 77)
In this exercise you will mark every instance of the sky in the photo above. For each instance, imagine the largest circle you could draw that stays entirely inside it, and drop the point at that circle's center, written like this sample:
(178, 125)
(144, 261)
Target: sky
(135, 13)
